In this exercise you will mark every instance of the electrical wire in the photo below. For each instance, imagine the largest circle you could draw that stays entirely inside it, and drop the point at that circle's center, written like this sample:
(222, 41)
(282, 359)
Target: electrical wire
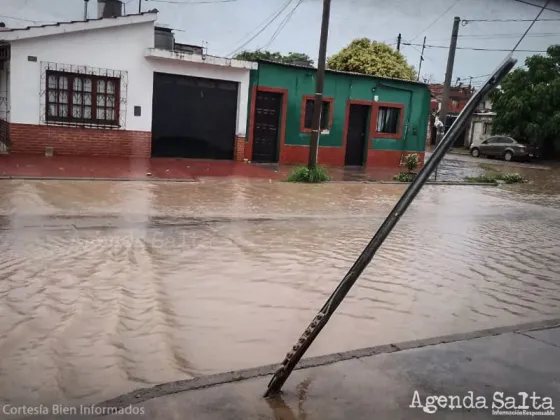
(281, 26)
(266, 25)
(531, 25)
(536, 5)
(192, 2)
(436, 20)
(26, 20)
(473, 48)
(465, 22)
(502, 36)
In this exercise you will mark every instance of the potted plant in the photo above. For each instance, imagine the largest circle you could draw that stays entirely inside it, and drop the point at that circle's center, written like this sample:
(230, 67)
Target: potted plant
(411, 162)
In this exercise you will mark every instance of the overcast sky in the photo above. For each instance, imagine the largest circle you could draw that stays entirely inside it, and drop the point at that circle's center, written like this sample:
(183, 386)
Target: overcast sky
(226, 25)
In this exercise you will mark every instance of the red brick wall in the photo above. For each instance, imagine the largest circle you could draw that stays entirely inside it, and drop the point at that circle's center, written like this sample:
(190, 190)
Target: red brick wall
(330, 156)
(27, 138)
(239, 154)
(389, 158)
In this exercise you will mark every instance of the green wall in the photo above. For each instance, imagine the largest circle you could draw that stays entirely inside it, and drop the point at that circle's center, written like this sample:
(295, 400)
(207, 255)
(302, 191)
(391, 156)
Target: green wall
(300, 82)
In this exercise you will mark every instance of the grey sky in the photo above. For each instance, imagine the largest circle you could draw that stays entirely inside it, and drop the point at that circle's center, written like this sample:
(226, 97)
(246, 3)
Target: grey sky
(224, 25)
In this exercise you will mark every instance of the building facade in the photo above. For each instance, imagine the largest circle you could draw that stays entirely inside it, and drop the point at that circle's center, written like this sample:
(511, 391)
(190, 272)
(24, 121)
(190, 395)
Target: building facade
(479, 129)
(111, 86)
(366, 121)
(459, 96)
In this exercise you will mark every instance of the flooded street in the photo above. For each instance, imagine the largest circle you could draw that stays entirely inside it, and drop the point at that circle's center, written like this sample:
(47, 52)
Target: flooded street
(110, 286)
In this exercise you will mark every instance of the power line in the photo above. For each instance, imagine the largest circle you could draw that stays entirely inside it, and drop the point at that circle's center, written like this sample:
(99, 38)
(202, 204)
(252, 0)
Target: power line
(503, 36)
(266, 25)
(437, 19)
(192, 2)
(26, 20)
(536, 5)
(531, 25)
(465, 22)
(282, 26)
(475, 49)
(482, 76)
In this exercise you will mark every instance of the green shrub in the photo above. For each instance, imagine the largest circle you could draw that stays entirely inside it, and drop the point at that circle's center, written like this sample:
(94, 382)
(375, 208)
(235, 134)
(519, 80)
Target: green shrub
(482, 179)
(313, 176)
(412, 161)
(493, 178)
(510, 178)
(404, 177)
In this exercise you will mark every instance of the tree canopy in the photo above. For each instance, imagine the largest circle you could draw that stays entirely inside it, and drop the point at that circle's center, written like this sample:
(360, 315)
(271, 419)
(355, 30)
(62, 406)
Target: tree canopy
(290, 58)
(373, 58)
(527, 103)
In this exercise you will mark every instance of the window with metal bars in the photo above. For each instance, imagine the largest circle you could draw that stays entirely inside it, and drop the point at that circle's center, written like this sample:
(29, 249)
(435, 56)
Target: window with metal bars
(82, 98)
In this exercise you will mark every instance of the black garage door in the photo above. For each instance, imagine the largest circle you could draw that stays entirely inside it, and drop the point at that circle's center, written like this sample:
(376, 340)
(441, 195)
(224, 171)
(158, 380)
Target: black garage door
(193, 117)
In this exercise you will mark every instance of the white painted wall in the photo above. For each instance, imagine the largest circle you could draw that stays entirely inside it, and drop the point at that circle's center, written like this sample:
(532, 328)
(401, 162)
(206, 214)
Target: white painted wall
(118, 48)
(475, 134)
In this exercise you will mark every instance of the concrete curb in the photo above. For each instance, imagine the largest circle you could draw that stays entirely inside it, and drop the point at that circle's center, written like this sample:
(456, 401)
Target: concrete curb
(161, 390)
(449, 183)
(69, 178)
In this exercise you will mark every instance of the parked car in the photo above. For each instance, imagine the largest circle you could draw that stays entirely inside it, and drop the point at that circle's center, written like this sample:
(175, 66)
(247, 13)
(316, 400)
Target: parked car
(505, 147)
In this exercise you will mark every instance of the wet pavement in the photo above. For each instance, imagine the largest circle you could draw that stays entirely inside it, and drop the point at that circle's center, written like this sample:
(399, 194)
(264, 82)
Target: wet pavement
(120, 168)
(112, 286)
(395, 384)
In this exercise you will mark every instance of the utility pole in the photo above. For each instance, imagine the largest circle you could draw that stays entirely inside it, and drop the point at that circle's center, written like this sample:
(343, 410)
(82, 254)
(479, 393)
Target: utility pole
(421, 59)
(320, 82)
(449, 74)
(399, 38)
(327, 311)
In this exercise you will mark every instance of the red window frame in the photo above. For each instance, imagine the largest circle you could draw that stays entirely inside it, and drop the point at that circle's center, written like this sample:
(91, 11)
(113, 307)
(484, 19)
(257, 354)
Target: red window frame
(399, 133)
(71, 91)
(304, 100)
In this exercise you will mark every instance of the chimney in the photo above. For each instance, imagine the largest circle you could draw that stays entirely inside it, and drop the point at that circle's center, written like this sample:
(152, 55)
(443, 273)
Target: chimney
(109, 8)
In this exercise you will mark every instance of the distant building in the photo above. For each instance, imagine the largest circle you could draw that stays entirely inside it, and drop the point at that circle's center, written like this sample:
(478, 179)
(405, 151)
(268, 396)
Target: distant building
(480, 127)
(459, 96)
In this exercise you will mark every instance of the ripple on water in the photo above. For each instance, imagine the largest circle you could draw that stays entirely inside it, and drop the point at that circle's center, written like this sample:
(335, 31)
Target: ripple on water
(89, 312)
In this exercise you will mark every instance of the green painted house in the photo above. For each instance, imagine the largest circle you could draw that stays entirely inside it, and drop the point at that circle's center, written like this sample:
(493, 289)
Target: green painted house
(366, 121)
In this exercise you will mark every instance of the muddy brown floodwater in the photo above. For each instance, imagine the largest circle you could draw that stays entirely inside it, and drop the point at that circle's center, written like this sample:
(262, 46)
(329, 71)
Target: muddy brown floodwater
(107, 287)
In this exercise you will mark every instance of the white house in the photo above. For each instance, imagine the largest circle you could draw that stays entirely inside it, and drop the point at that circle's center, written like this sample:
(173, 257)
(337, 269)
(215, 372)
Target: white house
(480, 127)
(119, 86)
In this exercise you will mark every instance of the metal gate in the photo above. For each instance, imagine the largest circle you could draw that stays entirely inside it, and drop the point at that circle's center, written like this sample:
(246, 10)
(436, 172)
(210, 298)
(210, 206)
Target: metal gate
(193, 117)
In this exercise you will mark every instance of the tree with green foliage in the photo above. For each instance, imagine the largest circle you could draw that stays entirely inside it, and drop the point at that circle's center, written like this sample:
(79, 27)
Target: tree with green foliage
(373, 58)
(290, 58)
(527, 103)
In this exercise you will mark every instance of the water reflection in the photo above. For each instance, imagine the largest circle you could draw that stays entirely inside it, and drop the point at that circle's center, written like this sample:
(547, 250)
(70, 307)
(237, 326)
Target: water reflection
(106, 287)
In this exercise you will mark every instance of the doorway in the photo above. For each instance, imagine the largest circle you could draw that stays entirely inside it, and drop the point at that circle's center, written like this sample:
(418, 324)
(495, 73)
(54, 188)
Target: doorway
(357, 134)
(266, 127)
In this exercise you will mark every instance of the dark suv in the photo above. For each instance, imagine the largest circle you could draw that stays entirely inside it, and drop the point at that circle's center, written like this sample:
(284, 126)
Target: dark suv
(505, 147)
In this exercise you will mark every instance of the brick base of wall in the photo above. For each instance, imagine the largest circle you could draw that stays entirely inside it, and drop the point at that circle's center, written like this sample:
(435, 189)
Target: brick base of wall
(28, 138)
(330, 156)
(239, 153)
(390, 158)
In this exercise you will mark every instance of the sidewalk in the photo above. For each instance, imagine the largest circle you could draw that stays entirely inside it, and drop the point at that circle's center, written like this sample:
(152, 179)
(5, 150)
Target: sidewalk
(375, 383)
(163, 169)
(114, 168)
